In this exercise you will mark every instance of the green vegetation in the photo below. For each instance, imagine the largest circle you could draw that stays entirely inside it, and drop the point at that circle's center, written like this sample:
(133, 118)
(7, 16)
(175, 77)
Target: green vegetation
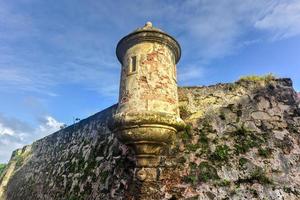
(21, 155)
(203, 142)
(223, 183)
(293, 128)
(187, 133)
(202, 173)
(242, 162)
(258, 175)
(265, 152)
(254, 78)
(207, 127)
(207, 172)
(221, 153)
(246, 140)
(192, 147)
(203, 139)
(191, 179)
(103, 176)
(2, 167)
(241, 131)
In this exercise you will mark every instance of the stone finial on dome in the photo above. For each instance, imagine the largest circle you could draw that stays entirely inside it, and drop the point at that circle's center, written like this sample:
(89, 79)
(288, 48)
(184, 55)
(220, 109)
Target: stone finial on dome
(148, 24)
(148, 27)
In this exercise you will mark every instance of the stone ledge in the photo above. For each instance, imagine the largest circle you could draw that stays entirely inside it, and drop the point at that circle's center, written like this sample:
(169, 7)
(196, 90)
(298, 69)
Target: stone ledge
(146, 117)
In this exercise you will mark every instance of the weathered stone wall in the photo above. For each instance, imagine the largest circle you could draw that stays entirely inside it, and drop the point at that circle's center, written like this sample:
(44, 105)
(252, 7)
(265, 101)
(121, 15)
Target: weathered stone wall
(83, 161)
(242, 142)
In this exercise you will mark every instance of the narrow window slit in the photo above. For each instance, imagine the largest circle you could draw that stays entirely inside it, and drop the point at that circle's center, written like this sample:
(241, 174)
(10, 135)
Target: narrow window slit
(133, 64)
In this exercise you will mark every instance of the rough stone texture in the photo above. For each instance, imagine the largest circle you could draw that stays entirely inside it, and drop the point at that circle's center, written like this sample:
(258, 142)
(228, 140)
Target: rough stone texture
(83, 161)
(242, 142)
(153, 85)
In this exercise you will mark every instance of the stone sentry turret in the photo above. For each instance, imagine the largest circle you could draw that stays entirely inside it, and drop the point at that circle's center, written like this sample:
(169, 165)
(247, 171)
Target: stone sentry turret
(147, 117)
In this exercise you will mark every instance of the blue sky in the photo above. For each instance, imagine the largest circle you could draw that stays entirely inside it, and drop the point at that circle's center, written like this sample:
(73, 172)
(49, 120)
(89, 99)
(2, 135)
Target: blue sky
(57, 58)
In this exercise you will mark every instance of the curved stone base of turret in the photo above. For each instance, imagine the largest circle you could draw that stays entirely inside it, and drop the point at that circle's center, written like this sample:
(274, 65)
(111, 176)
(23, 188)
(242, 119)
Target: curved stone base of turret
(148, 141)
(149, 134)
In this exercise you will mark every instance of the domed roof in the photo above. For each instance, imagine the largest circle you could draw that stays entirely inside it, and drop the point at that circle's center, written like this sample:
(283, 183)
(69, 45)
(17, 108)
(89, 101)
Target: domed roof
(151, 34)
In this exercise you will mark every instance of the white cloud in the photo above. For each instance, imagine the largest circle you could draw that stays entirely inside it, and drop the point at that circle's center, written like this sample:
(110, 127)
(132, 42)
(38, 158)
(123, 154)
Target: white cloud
(49, 125)
(5, 130)
(9, 143)
(283, 21)
(15, 133)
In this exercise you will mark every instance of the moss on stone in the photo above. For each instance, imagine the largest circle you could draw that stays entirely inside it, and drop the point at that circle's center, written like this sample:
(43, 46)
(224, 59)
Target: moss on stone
(70, 167)
(221, 153)
(207, 127)
(187, 133)
(188, 129)
(254, 78)
(241, 148)
(193, 179)
(223, 183)
(241, 131)
(103, 176)
(204, 140)
(207, 172)
(2, 168)
(193, 147)
(203, 143)
(265, 152)
(21, 156)
(258, 175)
(80, 164)
(245, 140)
(242, 162)
(202, 173)
(292, 128)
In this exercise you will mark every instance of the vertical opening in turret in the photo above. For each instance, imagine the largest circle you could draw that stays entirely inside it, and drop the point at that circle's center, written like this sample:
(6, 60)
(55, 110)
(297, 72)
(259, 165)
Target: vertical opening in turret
(133, 64)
